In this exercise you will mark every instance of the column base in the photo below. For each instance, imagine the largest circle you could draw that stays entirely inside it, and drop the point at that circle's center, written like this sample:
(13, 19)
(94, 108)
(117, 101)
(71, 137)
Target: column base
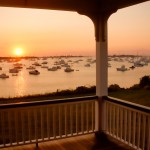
(100, 135)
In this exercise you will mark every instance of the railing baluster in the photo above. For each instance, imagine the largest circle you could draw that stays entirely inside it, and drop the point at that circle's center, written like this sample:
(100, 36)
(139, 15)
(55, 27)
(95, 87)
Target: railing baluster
(77, 118)
(117, 124)
(125, 125)
(114, 119)
(66, 132)
(23, 126)
(110, 116)
(82, 116)
(139, 131)
(129, 125)
(10, 127)
(42, 126)
(54, 122)
(16, 126)
(106, 129)
(71, 127)
(3, 128)
(29, 124)
(35, 121)
(143, 129)
(121, 123)
(87, 117)
(134, 128)
(48, 123)
(92, 119)
(60, 121)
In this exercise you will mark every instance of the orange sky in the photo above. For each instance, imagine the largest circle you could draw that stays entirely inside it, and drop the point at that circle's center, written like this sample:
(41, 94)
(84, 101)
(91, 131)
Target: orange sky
(47, 32)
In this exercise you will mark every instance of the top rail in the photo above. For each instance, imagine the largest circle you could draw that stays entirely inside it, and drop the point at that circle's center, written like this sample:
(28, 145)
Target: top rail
(128, 104)
(76, 99)
(46, 102)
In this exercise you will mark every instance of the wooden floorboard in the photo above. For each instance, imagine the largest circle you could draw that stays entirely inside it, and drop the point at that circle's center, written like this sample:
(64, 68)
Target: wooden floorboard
(85, 142)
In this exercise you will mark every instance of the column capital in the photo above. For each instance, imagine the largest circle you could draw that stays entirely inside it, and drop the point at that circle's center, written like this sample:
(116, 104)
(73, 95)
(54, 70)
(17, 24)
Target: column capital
(99, 20)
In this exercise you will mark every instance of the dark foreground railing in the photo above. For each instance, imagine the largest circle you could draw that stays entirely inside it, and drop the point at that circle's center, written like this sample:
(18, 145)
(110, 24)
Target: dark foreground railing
(128, 122)
(34, 122)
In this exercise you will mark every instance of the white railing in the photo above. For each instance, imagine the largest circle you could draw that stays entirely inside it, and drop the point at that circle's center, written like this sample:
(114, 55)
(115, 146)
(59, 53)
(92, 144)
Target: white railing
(47, 120)
(128, 122)
(35, 122)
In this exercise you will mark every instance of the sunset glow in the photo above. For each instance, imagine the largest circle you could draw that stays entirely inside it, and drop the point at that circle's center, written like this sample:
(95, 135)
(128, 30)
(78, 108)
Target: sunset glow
(18, 51)
(55, 33)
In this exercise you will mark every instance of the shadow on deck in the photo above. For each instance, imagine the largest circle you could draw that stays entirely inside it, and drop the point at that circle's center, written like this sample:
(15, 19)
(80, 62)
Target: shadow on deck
(84, 142)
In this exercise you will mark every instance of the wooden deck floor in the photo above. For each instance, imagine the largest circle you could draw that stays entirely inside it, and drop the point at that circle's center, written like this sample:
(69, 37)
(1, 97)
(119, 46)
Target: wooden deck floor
(85, 142)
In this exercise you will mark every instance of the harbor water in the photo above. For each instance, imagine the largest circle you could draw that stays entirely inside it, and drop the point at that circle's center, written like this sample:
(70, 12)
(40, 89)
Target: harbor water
(84, 74)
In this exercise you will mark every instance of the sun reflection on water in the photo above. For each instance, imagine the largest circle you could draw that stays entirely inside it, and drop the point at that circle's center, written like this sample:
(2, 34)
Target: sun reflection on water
(20, 85)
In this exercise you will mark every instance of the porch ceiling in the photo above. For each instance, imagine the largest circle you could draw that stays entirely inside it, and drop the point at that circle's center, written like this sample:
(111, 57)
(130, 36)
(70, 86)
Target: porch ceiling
(81, 6)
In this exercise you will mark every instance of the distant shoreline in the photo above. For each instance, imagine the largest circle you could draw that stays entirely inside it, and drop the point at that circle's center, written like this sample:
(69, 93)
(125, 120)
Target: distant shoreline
(30, 57)
(64, 56)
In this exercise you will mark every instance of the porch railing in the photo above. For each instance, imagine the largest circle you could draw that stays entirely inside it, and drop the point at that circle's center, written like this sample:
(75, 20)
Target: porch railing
(128, 122)
(35, 122)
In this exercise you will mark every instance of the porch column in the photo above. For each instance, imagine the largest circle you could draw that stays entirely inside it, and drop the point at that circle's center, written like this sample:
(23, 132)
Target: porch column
(100, 22)
(101, 57)
(101, 70)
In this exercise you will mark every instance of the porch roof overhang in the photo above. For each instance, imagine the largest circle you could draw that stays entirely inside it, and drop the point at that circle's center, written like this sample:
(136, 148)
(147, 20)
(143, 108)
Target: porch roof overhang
(80, 6)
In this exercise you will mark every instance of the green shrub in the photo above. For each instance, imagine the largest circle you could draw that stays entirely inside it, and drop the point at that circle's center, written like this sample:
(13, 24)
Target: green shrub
(144, 81)
(134, 87)
(114, 87)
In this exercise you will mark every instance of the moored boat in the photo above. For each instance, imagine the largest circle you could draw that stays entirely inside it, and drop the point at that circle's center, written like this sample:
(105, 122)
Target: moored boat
(122, 68)
(52, 69)
(87, 65)
(34, 72)
(14, 70)
(3, 76)
(68, 69)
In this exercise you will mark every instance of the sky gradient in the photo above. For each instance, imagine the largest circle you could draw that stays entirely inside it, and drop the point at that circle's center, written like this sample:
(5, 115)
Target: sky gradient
(48, 33)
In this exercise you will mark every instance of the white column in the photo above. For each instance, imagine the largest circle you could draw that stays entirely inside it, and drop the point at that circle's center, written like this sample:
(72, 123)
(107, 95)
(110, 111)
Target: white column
(101, 58)
(101, 71)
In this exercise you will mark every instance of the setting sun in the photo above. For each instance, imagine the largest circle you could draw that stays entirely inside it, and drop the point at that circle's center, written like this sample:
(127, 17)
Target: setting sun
(18, 52)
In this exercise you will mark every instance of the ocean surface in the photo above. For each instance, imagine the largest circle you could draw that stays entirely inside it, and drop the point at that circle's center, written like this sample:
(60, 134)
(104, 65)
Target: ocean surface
(84, 74)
